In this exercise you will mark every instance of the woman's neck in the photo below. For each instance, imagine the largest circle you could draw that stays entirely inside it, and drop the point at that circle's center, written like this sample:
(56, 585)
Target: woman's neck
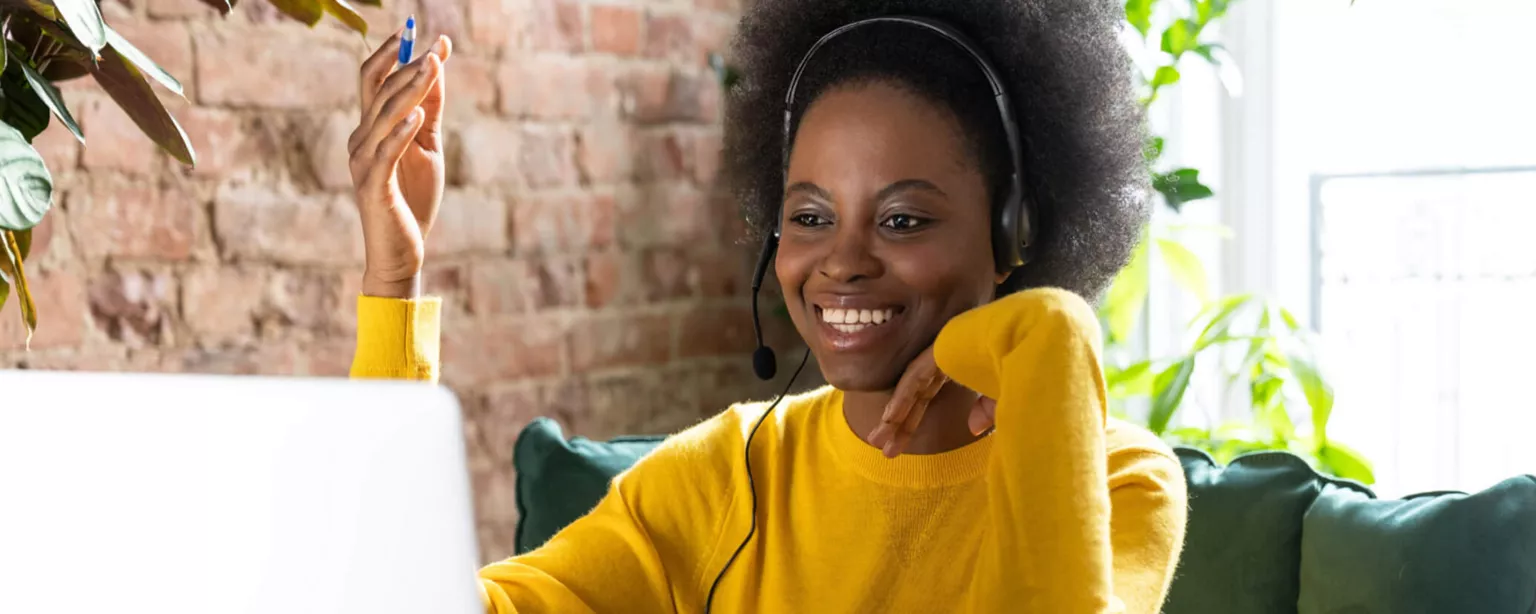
(942, 429)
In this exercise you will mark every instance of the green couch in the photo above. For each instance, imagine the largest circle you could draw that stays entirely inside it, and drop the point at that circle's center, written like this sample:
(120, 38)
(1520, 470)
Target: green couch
(1267, 534)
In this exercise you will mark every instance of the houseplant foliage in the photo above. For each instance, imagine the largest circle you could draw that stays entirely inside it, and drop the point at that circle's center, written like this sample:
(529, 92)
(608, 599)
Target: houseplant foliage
(48, 41)
(1262, 354)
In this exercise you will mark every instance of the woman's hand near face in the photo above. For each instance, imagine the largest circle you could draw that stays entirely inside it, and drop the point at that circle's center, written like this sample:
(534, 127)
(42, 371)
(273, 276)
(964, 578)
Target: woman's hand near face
(396, 158)
(919, 384)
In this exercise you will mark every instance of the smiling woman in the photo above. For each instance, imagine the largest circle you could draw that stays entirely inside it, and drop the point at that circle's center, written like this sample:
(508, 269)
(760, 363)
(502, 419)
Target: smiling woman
(947, 185)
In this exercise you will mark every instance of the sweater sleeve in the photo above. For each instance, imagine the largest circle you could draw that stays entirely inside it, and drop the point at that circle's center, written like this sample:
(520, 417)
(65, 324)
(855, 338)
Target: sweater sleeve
(1052, 504)
(397, 338)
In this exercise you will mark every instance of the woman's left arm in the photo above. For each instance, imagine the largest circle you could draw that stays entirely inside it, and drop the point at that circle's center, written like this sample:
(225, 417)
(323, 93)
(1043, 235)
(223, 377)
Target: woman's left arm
(1074, 528)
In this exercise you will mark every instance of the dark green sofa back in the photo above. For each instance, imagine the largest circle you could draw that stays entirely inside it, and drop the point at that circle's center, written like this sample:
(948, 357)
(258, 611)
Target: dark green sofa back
(1266, 533)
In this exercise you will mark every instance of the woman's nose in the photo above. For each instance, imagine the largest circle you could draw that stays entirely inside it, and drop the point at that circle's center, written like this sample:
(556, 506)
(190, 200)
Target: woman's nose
(850, 258)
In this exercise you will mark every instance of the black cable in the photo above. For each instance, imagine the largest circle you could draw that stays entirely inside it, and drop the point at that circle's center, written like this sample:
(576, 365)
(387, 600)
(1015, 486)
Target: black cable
(751, 486)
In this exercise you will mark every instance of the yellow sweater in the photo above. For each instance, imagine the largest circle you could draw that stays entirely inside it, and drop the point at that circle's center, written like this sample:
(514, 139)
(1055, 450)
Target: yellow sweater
(1061, 510)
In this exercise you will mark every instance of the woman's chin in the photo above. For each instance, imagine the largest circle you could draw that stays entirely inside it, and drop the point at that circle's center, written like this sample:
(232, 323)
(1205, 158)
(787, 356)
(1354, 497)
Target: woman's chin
(860, 378)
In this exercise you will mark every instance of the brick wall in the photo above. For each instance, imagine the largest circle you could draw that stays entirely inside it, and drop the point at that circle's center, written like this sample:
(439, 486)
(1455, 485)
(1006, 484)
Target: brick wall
(591, 272)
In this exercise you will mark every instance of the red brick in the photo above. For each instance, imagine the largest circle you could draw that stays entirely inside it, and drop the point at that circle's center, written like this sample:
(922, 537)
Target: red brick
(710, 94)
(133, 220)
(544, 87)
(491, 25)
(472, 86)
(604, 154)
(712, 35)
(58, 147)
(60, 299)
(256, 223)
(230, 67)
(665, 155)
(632, 403)
(168, 44)
(115, 142)
(178, 9)
(613, 278)
(669, 37)
(132, 307)
(220, 303)
(305, 299)
(599, 342)
(547, 158)
(447, 281)
(500, 350)
(602, 88)
(224, 147)
(615, 29)
(329, 358)
(556, 25)
(525, 285)
(725, 383)
(487, 153)
(469, 222)
(723, 273)
(706, 157)
(266, 359)
(506, 411)
(663, 214)
(669, 274)
(662, 95)
(326, 148)
(730, 331)
(437, 18)
(562, 222)
(723, 6)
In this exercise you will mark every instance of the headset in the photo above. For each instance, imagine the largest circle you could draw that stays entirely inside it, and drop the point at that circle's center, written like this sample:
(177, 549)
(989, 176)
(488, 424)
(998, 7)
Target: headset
(1012, 219)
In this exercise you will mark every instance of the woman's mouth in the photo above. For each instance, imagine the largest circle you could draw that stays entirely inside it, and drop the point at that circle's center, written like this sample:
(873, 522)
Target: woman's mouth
(849, 328)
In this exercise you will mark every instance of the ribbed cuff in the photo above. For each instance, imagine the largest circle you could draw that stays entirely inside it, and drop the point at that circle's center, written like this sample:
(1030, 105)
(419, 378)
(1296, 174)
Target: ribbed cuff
(397, 338)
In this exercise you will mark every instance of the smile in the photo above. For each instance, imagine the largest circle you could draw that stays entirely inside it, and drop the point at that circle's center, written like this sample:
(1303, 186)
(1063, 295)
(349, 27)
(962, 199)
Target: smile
(855, 320)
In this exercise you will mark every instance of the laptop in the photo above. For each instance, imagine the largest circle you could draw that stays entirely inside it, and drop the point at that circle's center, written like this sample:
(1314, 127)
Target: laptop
(204, 494)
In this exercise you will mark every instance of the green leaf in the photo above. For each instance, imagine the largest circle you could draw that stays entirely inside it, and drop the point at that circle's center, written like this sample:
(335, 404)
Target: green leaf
(1290, 320)
(1154, 149)
(26, 188)
(1180, 37)
(52, 98)
(143, 63)
(1168, 392)
(1346, 463)
(1190, 435)
(348, 15)
(126, 85)
(1126, 296)
(1186, 268)
(1165, 75)
(18, 278)
(1318, 391)
(1225, 311)
(1180, 187)
(84, 20)
(23, 108)
(1139, 14)
(307, 11)
(1134, 380)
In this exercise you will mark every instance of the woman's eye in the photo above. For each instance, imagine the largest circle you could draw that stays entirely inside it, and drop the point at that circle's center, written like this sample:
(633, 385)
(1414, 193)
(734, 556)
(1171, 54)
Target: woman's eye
(903, 222)
(808, 220)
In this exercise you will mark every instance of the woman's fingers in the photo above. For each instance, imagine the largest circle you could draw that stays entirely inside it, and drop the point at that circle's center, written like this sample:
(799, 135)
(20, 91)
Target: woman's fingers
(375, 69)
(415, 80)
(430, 135)
(983, 415)
(393, 146)
(917, 387)
(395, 108)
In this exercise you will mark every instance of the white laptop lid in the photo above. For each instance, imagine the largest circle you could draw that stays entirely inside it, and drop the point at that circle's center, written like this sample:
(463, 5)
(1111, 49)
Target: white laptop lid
(183, 494)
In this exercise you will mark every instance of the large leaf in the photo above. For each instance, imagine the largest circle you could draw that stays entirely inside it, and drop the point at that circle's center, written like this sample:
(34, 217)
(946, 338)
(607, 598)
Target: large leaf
(142, 62)
(306, 11)
(1318, 391)
(1181, 186)
(84, 20)
(126, 85)
(1123, 305)
(1186, 268)
(1223, 313)
(1165, 75)
(1180, 37)
(24, 108)
(12, 252)
(1168, 392)
(51, 97)
(1346, 463)
(1134, 380)
(348, 15)
(26, 188)
(1139, 14)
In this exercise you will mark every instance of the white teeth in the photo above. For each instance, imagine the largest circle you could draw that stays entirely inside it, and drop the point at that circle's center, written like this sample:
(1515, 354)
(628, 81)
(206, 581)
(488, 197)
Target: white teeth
(851, 320)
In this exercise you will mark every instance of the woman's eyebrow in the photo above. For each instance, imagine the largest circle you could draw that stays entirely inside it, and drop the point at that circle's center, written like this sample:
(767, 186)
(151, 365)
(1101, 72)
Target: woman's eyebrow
(806, 187)
(907, 185)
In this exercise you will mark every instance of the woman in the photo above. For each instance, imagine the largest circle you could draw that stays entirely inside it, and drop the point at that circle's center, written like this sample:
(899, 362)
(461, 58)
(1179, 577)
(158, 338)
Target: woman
(961, 458)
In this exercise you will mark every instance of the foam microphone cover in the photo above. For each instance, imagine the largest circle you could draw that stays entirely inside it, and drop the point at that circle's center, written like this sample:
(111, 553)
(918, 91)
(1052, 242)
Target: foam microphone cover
(763, 363)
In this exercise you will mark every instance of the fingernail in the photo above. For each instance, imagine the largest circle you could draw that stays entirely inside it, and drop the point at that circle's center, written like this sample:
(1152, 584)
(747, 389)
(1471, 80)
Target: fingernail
(890, 449)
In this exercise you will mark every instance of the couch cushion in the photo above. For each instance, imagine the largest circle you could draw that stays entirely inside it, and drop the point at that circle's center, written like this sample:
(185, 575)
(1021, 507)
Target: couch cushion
(1431, 553)
(560, 480)
(1242, 547)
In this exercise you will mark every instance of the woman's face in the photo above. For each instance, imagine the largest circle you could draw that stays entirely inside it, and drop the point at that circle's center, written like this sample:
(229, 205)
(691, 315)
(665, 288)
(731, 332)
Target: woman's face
(886, 232)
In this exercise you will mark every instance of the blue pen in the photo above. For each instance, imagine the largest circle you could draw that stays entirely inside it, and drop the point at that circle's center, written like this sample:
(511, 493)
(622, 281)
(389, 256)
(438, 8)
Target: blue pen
(408, 40)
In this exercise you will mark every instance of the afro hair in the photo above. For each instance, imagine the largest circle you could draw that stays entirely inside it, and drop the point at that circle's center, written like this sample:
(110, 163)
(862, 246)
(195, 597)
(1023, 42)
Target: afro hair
(1081, 127)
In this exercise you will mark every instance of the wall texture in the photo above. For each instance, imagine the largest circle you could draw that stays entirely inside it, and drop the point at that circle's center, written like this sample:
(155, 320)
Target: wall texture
(590, 270)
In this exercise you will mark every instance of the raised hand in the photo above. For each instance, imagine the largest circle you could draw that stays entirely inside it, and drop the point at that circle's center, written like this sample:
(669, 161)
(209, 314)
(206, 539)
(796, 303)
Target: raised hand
(396, 158)
(919, 384)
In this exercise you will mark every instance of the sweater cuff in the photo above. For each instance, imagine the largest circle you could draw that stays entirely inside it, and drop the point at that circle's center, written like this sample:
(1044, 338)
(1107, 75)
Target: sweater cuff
(397, 338)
